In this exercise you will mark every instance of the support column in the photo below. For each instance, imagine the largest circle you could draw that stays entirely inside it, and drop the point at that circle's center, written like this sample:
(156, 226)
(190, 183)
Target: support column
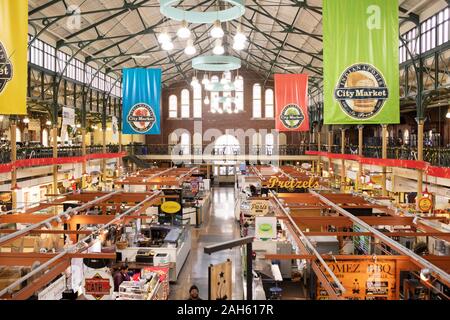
(329, 142)
(104, 151)
(13, 128)
(420, 124)
(384, 156)
(360, 153)
(83, 153)
(318, 148)
(342, 161)
(119, 160)
(208, 171)
(55, 155)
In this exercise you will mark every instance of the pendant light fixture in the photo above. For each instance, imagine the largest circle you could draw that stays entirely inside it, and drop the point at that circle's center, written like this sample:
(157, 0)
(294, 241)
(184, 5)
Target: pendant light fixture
(26, 120)
(218, 48)
(167, 46)
(184, 32)
(206, 100)
(163, 37)
(239, 39)
(448, 114)
(194, 81)
(48, 123)
(205, 80)
(216, 31)
(190, 49)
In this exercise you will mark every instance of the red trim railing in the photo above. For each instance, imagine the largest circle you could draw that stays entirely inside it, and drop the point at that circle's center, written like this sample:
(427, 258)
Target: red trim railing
(440, 172)
(36, 162)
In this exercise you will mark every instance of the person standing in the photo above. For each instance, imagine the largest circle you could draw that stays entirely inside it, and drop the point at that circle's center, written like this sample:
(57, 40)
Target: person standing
(121, 276)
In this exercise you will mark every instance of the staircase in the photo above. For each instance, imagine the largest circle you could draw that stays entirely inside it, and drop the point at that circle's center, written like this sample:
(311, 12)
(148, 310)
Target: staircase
(137, 161)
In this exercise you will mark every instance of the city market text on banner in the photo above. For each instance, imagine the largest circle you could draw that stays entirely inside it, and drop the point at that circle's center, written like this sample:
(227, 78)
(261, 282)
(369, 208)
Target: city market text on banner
(360, 48)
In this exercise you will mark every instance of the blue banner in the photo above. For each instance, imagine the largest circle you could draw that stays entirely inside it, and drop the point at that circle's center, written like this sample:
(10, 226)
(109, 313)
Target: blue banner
(141, 111)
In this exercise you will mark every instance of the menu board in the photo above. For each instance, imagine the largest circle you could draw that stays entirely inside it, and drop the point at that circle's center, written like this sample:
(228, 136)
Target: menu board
(362, 279)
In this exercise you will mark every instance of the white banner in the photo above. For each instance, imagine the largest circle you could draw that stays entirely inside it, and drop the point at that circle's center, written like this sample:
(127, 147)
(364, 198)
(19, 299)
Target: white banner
(115, 130)
(68, 115)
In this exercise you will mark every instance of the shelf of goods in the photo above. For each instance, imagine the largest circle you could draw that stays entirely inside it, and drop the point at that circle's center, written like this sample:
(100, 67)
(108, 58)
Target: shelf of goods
(157, 288)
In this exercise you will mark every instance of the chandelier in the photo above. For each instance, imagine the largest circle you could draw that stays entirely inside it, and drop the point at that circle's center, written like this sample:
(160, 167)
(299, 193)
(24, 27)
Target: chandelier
(213, 86)
(216, 18)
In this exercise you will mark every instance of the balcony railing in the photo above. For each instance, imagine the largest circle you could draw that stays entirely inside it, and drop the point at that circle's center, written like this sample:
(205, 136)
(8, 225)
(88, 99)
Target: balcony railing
(63, 152)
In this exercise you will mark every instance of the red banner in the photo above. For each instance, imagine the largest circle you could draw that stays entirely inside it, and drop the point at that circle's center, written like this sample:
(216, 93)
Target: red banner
(291, 102)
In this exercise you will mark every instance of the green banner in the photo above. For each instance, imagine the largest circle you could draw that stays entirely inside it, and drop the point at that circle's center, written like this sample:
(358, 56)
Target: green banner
(361, 68)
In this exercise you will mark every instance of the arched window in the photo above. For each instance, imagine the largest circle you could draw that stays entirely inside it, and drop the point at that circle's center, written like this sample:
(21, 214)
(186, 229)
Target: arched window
(173, 106)
(197, 100)
(214, 95)
(173, 138)
(45, 138)
(185, 143)
(18, 135)
(269, 143)
(239, 93)
(185, 112)
(256, 100)
(269, 110)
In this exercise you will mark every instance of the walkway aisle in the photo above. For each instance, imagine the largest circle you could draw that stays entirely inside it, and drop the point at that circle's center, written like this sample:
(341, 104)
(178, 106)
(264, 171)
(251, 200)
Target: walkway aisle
(218, 226)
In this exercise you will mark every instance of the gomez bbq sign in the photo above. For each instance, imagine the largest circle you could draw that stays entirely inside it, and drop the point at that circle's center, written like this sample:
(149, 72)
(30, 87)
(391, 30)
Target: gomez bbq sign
(6, 68)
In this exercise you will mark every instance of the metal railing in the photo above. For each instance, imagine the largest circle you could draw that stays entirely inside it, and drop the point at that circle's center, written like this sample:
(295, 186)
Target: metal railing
(45, 152)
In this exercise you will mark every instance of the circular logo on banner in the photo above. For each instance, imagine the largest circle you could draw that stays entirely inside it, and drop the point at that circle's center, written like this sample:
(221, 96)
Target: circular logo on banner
(6, 68)
(292, 116)
(361, 91)
(141, 117)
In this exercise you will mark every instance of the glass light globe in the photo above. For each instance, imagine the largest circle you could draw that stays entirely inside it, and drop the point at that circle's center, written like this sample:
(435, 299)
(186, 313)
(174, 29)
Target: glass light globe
(220, 111)
(229, 110)
(190, 49)
(213, 110)
(238, 46)
(218, 50)
(26, 120)
(240, 37)
(236, 110)
(216, 31)
(167, 46)
(206, 100)
(194, 81)
(184, 31)
(48, 122)
(205, 80)
(163, 37)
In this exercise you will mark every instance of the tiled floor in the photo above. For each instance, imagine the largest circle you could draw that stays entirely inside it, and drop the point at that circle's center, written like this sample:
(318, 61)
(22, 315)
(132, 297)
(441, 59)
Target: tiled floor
(218, 226)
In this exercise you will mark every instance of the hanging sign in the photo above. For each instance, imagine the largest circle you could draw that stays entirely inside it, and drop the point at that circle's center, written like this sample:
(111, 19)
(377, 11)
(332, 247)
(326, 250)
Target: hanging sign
(266, 227)
(170, 207)
(54, 291)
(68, 116)
(425, 204)
(361, 77)
(98, 285)
(293, 184)
(291, 91)
(259, 207)
(141, 101)
(115, 130)
(362, 279)
(13, 56)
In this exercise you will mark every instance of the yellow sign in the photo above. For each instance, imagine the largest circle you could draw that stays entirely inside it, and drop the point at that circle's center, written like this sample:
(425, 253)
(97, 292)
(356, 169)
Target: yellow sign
(363, 279)
(259, 207)
(425, 204)
(13, 56)
(293, 183)
(170, 207)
